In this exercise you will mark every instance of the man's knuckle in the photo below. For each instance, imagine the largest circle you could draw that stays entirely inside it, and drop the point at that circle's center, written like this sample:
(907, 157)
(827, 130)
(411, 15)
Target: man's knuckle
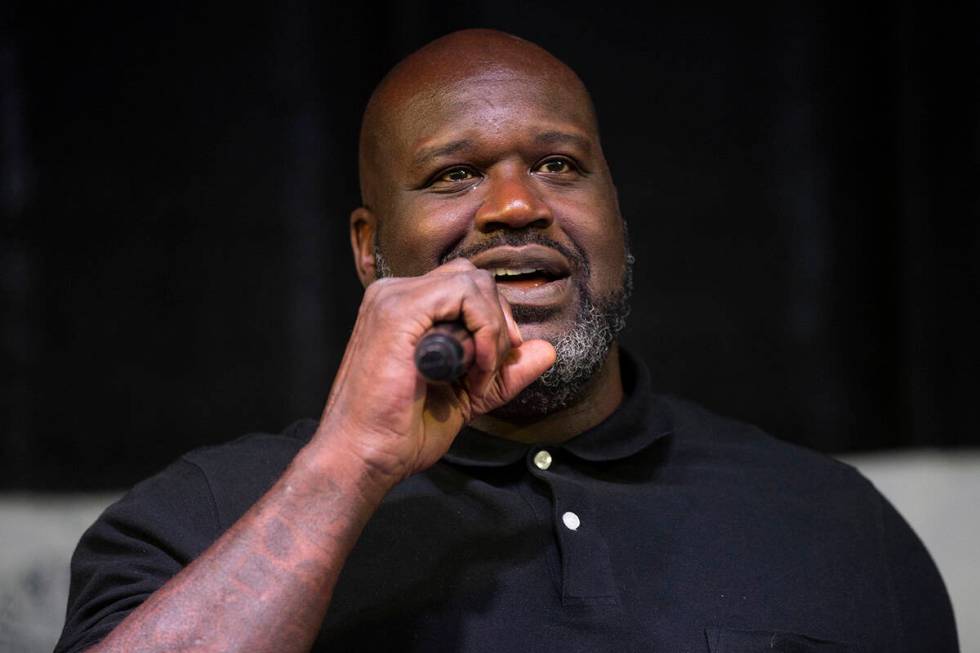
(493, 331)
(388, 305)
(484, 279)
(470, 283)
(377, 287)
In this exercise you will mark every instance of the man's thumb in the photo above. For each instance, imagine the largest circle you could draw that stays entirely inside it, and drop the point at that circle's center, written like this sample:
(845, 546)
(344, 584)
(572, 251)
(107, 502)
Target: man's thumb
(524, 364)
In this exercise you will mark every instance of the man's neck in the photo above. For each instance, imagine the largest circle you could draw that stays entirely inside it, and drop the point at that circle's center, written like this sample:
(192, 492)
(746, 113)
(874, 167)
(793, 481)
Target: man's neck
(601, 399)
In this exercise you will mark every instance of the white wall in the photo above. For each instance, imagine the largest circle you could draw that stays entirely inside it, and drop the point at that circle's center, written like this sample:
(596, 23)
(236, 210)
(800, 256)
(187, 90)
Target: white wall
(37, 536)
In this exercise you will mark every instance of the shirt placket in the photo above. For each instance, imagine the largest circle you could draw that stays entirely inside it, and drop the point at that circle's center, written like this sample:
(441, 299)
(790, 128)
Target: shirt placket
(586, 570)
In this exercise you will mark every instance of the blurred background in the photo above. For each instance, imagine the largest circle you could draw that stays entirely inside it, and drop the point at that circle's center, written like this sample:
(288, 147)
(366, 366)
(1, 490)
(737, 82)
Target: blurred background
(800, 182)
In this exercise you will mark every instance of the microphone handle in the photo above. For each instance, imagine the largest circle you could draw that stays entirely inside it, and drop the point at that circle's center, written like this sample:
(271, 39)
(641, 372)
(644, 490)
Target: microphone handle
(444, 353)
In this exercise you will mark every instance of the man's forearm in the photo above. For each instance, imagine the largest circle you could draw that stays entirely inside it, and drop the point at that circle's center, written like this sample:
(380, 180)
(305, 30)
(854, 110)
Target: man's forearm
(265, 584)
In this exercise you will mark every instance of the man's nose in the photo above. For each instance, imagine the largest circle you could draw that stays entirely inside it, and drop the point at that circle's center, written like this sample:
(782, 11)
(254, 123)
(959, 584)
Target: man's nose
(512, 203)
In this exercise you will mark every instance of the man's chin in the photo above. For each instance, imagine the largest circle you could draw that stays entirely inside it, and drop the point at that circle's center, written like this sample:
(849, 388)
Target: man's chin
(542, 398)
(582, 344)
(536, 400)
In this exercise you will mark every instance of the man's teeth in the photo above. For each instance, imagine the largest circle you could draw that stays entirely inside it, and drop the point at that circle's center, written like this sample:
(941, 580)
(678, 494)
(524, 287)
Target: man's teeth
(514, 272)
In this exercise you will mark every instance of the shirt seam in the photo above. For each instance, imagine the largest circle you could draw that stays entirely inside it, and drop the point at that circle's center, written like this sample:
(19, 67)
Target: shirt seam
(212, 502)
(887, 566)
(556, 578)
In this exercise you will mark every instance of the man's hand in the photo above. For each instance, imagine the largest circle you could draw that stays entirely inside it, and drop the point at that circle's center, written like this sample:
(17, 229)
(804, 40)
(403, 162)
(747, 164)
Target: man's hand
(382, 410)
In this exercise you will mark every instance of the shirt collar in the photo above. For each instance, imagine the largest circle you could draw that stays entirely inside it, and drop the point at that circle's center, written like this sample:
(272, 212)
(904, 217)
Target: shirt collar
(640, 420)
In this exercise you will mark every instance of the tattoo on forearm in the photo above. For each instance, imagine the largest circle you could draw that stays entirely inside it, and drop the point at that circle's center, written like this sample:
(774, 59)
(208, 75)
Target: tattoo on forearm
(278, 539)
(262, 586)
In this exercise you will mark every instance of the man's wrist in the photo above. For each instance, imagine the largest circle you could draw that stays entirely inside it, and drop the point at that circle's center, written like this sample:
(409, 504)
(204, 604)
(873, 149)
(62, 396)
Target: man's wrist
(326, 465)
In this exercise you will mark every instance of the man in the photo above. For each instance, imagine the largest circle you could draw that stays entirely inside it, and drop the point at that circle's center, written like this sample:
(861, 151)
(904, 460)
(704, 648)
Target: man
(547, 501)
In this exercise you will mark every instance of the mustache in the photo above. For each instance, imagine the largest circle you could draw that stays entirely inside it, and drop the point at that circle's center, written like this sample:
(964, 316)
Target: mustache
(575, 256)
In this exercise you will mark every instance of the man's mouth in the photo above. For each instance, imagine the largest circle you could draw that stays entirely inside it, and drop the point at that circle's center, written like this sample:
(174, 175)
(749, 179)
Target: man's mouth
(522, 278)
(529, 275)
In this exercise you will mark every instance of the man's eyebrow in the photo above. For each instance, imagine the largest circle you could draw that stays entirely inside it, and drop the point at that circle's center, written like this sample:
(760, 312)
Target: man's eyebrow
(426, 154)
(559, 138)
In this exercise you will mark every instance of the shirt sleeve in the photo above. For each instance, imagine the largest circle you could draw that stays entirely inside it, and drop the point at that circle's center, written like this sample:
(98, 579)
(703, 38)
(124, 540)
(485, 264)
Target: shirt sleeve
(923, 615)
(136, 546)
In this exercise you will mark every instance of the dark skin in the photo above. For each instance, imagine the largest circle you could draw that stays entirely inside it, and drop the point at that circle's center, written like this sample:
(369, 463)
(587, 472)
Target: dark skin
(513, 147)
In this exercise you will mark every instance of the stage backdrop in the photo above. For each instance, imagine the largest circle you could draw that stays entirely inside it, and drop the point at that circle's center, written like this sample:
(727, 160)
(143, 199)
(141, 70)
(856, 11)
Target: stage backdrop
(800, 183)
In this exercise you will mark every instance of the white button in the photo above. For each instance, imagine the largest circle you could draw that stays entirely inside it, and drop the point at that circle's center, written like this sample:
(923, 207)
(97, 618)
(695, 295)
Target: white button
(571, 520)
(542, 460)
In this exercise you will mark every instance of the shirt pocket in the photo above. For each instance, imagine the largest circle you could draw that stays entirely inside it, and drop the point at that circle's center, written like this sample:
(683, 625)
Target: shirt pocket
(731, 640)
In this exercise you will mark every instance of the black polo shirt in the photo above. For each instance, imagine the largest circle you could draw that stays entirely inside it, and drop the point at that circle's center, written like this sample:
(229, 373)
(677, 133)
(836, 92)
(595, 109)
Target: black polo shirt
(665, 528)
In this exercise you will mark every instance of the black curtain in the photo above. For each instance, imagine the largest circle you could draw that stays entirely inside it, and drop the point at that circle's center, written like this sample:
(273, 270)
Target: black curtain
(799, 179)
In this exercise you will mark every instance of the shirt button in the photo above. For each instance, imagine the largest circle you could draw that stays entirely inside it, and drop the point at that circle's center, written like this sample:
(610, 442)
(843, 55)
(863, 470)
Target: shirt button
(542, 460)
(571, 521)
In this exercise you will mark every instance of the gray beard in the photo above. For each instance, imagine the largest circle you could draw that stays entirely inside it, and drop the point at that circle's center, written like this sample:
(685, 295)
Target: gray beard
(581, 351)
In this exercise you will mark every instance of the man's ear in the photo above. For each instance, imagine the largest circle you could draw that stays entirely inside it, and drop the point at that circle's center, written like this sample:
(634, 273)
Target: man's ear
(363, 230)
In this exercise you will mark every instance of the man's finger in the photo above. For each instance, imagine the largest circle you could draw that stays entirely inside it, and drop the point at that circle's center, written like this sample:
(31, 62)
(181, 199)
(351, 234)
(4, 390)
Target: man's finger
(489, 287)
(522, 366)
(512, 329)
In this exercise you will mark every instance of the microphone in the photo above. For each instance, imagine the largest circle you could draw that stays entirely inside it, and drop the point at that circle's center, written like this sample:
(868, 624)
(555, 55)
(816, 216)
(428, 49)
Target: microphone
(444, 353)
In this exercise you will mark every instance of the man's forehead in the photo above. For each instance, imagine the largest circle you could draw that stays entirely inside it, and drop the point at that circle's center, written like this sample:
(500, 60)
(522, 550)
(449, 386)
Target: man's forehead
(494, 100)
(480, 76)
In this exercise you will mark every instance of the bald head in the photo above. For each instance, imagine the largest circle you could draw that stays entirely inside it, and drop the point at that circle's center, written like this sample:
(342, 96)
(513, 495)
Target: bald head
(477, 55)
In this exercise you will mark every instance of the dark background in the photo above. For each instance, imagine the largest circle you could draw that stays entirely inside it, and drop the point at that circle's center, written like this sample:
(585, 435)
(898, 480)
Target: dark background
(800, 182)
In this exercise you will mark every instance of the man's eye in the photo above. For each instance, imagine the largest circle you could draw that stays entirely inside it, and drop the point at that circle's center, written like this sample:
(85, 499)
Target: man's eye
(556, 166)
(451, 180)
(456, 175)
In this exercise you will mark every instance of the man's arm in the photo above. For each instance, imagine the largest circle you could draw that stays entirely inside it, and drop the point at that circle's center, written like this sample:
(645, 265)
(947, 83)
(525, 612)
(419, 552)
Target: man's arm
(265, 584)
